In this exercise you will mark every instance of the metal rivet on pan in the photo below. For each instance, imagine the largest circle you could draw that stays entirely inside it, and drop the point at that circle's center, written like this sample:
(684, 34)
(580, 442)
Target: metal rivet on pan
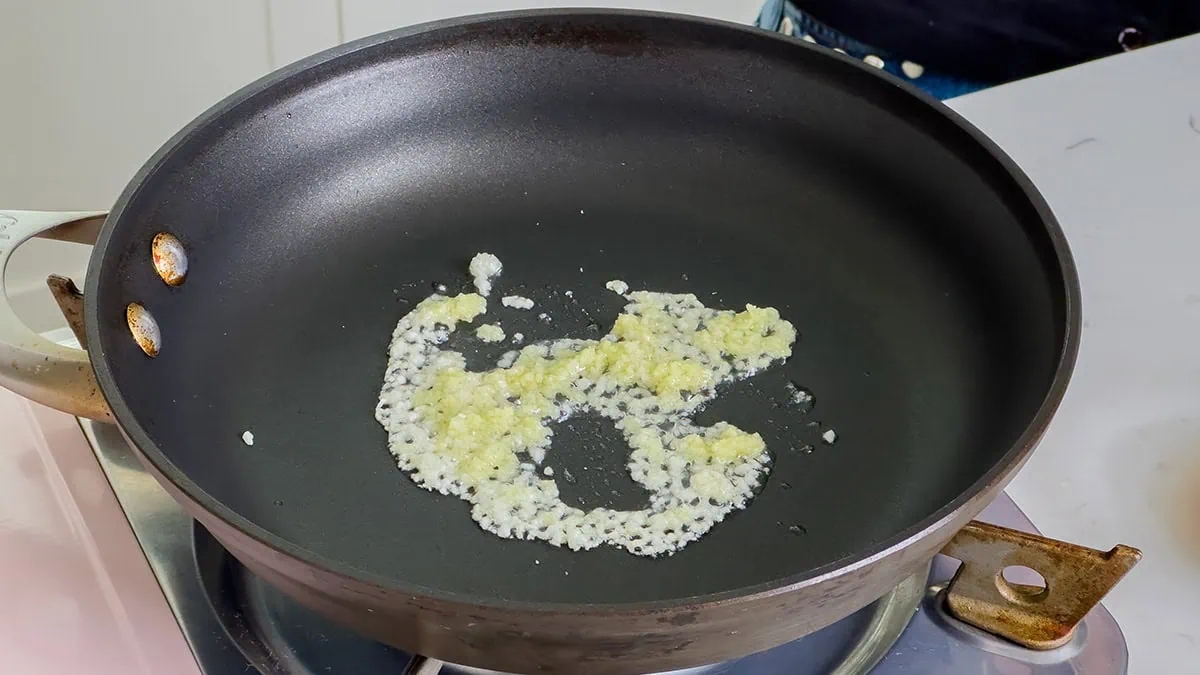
(912, 70)
(873, 60)
(787, 27)
(169, 257)
(144, 329)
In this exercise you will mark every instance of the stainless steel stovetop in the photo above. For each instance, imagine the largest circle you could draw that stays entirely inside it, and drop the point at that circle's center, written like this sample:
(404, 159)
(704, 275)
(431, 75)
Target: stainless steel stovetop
(236, 623)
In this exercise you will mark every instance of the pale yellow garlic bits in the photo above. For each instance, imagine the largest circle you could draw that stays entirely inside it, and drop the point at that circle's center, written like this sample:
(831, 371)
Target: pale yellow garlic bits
(483, 436)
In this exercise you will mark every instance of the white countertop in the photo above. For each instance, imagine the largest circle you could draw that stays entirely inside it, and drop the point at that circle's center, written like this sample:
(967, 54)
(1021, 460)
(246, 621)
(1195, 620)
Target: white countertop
(1114, 146)
(1111, 147)
(76, 593)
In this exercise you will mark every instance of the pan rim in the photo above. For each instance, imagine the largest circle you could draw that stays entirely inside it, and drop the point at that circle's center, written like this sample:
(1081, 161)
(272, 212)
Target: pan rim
(993, 479)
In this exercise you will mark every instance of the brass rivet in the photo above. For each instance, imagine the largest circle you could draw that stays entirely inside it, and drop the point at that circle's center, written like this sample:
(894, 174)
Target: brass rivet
(169, 258)
(144, 329)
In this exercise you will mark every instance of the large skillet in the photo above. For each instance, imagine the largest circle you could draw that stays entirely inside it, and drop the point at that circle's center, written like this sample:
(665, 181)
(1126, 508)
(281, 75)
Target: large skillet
(935, 296)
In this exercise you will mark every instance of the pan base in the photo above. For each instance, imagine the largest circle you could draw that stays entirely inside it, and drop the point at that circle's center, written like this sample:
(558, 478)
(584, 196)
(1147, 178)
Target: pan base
(279, 636)
(231, 633)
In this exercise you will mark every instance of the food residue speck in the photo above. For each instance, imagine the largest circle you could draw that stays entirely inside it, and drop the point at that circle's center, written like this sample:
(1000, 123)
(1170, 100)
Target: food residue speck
(484, 267)
(617, 286)
(516, 302)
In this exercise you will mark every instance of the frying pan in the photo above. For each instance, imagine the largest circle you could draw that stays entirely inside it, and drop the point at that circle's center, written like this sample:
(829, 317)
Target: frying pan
(934, 294)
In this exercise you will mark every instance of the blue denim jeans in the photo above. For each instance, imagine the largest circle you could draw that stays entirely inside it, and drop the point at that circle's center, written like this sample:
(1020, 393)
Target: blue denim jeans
(783, 16)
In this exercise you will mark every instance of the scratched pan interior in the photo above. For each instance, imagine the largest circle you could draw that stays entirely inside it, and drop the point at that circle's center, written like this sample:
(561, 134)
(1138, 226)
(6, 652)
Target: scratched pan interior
(318, 206)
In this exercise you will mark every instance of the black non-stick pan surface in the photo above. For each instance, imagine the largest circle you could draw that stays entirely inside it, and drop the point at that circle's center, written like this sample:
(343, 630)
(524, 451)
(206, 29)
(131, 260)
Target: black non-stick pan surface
(321, 204)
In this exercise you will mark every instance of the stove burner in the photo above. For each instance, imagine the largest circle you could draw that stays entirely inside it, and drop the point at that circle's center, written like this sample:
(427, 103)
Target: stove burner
(278, 636)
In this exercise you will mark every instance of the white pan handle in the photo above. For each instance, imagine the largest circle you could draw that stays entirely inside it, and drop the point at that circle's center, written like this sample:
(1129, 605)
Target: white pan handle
(31, 365)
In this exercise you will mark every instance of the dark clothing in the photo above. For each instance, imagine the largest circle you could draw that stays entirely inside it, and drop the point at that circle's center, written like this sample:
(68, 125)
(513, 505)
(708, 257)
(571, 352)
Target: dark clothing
(1001, 40)
(782, 16)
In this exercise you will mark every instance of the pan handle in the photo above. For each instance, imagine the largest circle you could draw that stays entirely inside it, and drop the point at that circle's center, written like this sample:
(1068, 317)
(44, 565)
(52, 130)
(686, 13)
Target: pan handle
(31, 365)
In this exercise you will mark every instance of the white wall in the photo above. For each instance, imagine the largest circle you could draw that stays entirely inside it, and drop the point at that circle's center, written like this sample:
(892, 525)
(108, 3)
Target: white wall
(365, 17)
(90, 88)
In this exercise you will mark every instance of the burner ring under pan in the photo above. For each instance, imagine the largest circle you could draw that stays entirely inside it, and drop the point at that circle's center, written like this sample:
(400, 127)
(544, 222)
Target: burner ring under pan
(278, 636)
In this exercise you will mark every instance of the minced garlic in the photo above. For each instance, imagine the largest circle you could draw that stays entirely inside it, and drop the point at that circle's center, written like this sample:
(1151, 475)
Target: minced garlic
(490, 332)
(483, 435)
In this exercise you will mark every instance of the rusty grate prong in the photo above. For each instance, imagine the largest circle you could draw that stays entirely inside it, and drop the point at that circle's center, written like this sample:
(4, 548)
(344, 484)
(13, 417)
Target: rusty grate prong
(70, 302)
(1076, 579)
